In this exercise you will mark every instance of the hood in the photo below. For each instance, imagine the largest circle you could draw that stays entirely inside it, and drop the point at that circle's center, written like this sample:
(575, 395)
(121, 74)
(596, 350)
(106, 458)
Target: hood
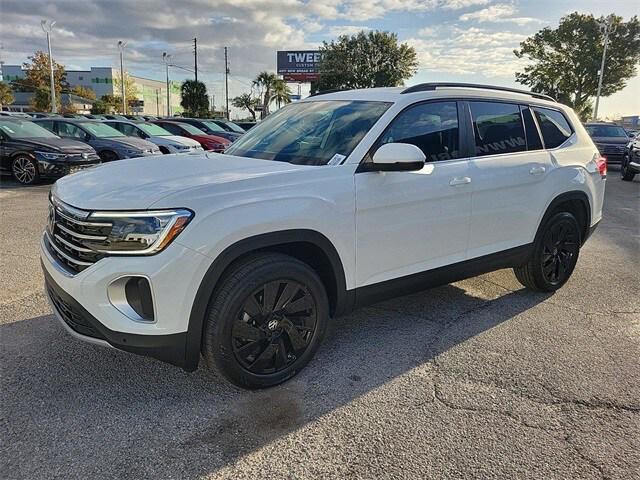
(131, 142)
(57, 144)
(611, 140)
(211, 138)
(178, 139)
(139, 183)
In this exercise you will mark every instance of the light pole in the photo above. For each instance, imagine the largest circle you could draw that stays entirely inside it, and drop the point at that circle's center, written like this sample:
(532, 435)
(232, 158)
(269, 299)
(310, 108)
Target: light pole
(606, 27)
(121, 46)
(47, 27)
(166, 58)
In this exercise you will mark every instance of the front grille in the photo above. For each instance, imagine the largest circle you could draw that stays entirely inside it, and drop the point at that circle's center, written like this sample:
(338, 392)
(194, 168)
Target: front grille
(69, 236)
(611, 149)
(71, 316)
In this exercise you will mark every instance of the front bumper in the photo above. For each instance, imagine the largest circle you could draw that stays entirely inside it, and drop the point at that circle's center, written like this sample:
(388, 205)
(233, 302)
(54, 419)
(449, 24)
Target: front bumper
(81, 301)
(57, 169)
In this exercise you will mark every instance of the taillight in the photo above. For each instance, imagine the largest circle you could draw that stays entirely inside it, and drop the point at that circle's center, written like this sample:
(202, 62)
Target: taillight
(601, 163)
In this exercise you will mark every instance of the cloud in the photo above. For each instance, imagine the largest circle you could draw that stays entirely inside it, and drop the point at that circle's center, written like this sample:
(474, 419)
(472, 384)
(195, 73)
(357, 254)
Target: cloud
(458, 51)
(346, 30)
(500, 12)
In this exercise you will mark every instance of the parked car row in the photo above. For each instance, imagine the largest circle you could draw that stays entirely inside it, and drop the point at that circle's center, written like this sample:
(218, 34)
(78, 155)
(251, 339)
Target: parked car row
(52, 146)
(617, 146)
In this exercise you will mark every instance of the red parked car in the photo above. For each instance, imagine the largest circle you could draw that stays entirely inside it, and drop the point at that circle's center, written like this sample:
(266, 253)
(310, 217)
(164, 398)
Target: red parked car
(208, 142)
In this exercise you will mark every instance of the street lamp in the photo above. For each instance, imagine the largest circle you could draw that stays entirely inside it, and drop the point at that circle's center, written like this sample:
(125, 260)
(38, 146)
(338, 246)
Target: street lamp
(166, 58)
(606, 27)
(121, 46)
(47, 27)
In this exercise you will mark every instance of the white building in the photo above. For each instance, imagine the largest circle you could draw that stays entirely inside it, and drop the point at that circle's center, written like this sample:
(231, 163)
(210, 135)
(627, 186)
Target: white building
(102, 81)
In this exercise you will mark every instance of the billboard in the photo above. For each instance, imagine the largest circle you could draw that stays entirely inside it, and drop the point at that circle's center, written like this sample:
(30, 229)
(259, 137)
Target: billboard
(298, 65)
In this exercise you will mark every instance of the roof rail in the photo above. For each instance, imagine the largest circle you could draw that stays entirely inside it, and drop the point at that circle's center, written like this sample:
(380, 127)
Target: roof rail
(424, 87)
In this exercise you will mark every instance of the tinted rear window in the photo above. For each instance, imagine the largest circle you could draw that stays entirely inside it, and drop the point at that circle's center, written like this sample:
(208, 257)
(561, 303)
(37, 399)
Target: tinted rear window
(554, 127)
(497, 128)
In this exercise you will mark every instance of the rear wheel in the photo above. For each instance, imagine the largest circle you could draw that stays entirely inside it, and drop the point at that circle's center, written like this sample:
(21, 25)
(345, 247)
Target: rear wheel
(25, 170)
(625, 173)
(555, 255)
(266, 321)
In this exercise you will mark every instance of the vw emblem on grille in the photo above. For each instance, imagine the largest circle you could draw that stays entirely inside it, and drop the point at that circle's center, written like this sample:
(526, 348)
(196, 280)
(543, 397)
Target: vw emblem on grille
(273, 324)
(85, 155)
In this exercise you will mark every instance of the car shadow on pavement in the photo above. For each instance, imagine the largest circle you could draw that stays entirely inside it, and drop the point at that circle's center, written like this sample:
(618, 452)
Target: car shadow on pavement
(108, 409)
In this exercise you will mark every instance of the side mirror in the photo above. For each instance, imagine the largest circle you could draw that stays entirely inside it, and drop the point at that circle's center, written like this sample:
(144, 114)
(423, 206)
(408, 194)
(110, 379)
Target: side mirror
(396, 157)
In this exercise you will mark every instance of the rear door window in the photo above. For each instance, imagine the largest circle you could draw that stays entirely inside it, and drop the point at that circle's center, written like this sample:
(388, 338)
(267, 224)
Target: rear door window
(498, 128)
(68, 130)
(554, 127)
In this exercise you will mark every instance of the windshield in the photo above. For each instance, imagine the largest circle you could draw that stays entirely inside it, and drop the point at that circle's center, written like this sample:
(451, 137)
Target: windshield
(232, 126)
(191, 129)
(310, 133)
(606, 131)
(213, 127)
(153, 130)
(24, 129)
(101, 130)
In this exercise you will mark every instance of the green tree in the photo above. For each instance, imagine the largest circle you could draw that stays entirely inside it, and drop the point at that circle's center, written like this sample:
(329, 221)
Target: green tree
(6, 94)
(101, 107)
(130, 91)
(365, 60)
(38, 80)
(246, 101)
(281, 93)
(265, 82)
(195, 100)
(565, 61)
(84, 92)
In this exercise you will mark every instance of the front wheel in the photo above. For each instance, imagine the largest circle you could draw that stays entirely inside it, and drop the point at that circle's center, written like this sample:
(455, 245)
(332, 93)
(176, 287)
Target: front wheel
(625, 173)
(555, 255)
(25, 170)
(266, 320)
(108, 156)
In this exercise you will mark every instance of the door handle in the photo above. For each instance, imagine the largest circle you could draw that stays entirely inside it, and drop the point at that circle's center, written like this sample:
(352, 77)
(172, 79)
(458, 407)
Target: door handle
(459, 181)
(537, 170)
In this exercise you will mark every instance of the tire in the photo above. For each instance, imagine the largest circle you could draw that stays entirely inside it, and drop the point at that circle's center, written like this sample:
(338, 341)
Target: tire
(555, 254)
(25, 170)
(265, 321)
(626, 175)
(108, 156)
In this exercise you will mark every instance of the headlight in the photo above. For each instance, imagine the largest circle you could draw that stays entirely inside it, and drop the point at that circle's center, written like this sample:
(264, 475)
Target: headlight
(179, 146)
(139, 233)
(51, 155)
(135, 153)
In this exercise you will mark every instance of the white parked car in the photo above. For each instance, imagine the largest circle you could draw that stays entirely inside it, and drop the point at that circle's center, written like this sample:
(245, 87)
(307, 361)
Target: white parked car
(165, 140)
(329, 204)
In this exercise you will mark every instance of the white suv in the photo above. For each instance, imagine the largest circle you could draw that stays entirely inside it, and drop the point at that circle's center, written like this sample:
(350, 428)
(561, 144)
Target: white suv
(330, 203)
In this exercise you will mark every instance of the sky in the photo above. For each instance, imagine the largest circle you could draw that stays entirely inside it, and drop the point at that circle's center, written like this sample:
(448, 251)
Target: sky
(456, 40)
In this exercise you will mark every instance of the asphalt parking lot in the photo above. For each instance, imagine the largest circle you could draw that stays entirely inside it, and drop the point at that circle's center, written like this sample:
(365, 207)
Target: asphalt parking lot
(475, 379)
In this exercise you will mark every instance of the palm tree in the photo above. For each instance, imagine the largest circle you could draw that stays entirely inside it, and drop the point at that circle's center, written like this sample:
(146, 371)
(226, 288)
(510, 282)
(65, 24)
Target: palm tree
(266, 82)
(246, 101)
(281, 93)
(6, 94)
(194, 98)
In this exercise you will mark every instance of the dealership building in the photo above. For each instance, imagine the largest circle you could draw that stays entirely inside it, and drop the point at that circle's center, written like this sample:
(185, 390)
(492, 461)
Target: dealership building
(153, 93)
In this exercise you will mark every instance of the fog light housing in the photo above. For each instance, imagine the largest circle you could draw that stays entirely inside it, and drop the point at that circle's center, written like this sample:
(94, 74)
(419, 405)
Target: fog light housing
(133, 297)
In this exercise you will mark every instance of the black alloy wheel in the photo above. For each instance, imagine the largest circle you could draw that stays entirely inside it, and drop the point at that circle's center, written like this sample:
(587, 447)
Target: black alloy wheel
(108, 156)
(625, 174)
(560, 246)
(555, 254)
(274, 327)
(25, 170)
(266, 319)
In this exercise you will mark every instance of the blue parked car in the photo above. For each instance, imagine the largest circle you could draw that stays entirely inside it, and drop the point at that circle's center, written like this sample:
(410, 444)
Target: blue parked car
(107, 141)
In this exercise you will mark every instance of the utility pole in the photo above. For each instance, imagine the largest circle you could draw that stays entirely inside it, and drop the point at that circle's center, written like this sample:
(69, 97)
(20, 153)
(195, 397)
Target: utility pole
(121, 46)
(166, 59)
(195, 57)
(47, 27)
(157, 102)
(226, 80)
(606, 27)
